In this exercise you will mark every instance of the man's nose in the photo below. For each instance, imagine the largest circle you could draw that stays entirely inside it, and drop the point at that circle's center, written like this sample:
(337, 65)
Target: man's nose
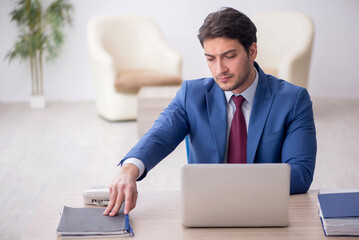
(221, 68)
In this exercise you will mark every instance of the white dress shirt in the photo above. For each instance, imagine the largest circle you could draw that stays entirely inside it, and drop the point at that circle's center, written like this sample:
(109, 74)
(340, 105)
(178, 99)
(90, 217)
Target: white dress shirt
(248, 94)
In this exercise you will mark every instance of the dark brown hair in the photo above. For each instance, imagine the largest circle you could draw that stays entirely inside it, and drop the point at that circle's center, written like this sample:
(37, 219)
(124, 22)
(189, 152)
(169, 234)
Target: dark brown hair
(228, 23)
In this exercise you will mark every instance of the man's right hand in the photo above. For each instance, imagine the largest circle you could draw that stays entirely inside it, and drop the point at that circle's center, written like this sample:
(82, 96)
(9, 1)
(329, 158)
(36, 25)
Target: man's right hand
(123, 188)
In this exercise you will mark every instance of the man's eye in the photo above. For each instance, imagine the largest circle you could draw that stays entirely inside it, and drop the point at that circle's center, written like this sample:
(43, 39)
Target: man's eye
(210, 59)
(230, 56)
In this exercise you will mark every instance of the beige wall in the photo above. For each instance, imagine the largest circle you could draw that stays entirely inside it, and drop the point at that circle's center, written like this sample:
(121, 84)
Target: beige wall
(334, 60)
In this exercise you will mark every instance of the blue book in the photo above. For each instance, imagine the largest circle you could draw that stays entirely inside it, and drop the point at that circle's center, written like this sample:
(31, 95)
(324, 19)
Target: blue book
(339, 205)
(339, 213)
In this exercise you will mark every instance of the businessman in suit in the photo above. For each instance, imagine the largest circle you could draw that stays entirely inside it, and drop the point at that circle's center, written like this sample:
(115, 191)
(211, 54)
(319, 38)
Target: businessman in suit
(241, 115)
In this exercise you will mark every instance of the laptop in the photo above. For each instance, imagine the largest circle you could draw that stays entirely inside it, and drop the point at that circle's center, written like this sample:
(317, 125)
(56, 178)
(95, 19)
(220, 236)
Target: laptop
(235, 195)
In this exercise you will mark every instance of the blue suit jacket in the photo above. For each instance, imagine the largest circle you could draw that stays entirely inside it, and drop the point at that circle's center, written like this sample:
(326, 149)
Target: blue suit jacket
(281, 128)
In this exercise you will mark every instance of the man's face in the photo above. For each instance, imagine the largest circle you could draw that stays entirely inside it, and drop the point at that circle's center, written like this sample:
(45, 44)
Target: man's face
(231, 66)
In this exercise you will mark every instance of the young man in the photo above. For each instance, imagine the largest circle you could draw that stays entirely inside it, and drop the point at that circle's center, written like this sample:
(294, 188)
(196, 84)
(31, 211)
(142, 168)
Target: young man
(241, 115)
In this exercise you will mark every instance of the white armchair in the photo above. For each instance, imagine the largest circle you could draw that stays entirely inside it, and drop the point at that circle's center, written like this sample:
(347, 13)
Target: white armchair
(285, 40)
(125, 43)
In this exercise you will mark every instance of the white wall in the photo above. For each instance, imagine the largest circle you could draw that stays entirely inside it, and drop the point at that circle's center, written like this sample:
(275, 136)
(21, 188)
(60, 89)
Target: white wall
(334, 61)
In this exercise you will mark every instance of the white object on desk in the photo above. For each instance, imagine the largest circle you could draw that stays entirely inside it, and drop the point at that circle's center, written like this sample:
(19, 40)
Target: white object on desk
(97, 195)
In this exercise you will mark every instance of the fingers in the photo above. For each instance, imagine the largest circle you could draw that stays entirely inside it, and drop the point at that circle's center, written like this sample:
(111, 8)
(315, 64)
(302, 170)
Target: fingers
(113, 197)
(128, 194)
(118, 203)
(130, 201)
(123, 189)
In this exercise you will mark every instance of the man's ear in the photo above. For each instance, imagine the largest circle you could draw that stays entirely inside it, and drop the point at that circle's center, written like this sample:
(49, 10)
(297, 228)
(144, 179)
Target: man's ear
(253, 51)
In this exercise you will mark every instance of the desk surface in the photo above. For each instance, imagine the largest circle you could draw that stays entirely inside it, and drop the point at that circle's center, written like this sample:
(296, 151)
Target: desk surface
(157, 216)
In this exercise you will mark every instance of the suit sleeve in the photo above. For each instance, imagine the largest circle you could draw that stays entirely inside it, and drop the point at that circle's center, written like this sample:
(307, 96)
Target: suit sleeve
(167, 132)
(300, 145)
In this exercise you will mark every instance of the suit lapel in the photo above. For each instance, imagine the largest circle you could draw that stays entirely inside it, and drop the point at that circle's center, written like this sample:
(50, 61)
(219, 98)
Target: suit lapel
(262, 103)
(217, 114)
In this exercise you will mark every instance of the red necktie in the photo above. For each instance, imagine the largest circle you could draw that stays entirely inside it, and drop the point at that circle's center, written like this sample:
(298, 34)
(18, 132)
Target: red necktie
(237, 147)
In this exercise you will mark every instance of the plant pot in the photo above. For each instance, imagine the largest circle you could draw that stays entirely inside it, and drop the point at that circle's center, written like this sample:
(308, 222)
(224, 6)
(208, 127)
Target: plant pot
(37, 102)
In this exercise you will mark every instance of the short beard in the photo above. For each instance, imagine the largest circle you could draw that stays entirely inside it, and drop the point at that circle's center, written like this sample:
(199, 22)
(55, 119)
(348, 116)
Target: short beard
(240, 81)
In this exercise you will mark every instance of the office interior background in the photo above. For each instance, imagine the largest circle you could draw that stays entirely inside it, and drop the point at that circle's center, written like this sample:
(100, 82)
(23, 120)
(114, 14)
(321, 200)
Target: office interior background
(67, 147)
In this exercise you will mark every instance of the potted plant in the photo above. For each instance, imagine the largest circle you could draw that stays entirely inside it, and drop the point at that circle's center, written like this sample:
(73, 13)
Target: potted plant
(40, 34)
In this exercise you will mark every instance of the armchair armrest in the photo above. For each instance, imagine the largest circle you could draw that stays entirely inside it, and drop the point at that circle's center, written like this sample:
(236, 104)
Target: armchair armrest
(294, 67)
(167, 59)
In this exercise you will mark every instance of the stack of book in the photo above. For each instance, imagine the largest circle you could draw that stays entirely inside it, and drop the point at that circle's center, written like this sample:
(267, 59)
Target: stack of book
(90, 222)
(339, 212)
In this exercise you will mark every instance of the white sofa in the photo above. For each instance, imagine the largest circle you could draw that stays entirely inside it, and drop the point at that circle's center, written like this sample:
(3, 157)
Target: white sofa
(122, 43)
(285, 40)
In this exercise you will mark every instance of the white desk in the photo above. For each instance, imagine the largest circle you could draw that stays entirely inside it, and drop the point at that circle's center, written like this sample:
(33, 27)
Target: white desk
(157, 216)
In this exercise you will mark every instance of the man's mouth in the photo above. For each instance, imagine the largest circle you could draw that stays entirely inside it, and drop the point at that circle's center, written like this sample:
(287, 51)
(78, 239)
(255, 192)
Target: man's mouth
(223, 78)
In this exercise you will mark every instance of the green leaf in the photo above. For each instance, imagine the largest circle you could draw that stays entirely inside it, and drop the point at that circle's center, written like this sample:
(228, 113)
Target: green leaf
(40, 31)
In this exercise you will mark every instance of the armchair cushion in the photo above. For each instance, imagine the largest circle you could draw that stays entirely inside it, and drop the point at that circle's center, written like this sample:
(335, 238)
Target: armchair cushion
(130, 81)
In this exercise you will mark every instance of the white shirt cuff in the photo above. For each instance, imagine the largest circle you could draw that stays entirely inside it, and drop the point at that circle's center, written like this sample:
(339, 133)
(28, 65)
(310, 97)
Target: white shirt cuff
(138, 163)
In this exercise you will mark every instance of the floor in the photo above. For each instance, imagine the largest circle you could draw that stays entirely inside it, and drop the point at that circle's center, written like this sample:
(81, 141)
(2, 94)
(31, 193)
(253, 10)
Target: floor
(68, 147)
